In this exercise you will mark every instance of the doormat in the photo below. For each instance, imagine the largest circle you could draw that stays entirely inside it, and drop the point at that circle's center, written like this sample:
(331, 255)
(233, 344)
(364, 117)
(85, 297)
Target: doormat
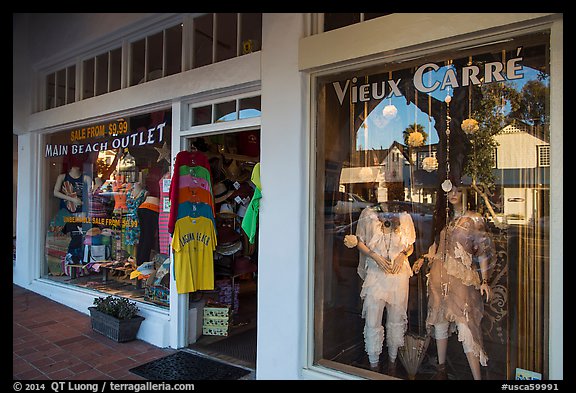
(239, 346)
(188, 366)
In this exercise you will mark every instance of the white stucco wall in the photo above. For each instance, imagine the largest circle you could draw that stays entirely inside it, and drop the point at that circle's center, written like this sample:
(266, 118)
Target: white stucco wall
(283, 210)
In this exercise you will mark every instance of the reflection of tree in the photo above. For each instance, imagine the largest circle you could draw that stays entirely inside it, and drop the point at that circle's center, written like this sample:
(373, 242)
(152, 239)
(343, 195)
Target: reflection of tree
(489, 112)
(531, 103)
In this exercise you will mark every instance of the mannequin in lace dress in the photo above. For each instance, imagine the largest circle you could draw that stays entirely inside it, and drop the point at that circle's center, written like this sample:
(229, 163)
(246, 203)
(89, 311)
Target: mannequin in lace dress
(459, 263)
(385, 240)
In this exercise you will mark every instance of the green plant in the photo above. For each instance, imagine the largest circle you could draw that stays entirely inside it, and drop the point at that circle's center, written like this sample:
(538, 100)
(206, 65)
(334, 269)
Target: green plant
(120, 308)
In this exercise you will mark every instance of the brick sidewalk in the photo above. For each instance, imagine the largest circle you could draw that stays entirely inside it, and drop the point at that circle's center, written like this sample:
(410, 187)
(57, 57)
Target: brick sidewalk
(54, 342)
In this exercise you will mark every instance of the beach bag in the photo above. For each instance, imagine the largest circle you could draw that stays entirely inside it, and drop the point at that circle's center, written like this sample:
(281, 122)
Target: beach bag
(96, 253)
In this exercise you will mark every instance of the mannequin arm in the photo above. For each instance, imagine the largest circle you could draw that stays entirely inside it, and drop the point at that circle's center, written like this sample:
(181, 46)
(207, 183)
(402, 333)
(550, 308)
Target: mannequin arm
(380, 261)
(484, 287)
(59, 194)
(418, 264)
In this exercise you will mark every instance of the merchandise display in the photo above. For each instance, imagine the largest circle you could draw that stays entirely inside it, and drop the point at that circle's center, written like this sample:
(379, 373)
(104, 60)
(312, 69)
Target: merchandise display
(385, 240)
(106, 218)
(458, 280)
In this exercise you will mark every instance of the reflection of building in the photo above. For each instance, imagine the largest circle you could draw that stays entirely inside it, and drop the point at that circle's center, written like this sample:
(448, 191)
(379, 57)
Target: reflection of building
(520, 163)
(522, 159)
(378, 175)
(387, 174)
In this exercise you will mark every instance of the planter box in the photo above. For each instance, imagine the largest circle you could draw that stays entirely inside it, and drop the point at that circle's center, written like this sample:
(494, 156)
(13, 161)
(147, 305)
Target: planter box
(119, 330)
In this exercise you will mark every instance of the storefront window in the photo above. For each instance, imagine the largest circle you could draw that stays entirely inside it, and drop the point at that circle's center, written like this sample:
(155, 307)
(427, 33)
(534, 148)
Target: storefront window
(438, 165)
(106, 223)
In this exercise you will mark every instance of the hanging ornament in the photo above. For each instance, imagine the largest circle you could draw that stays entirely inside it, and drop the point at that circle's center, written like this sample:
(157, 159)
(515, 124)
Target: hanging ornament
(470, 125)
(350, 241)
(447, 184)
(415, 139)
(390, 111)
(430, 164)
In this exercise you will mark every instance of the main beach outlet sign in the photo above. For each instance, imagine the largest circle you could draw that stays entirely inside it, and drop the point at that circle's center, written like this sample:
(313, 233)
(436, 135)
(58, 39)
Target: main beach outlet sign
(446, 77)
(101, 137)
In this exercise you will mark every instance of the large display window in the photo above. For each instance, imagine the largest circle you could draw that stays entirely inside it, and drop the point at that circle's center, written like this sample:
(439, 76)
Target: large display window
(432, 215)
(107, 206)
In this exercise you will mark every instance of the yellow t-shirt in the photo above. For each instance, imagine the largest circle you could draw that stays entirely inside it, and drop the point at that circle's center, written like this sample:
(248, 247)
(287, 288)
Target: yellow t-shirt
(194, 242)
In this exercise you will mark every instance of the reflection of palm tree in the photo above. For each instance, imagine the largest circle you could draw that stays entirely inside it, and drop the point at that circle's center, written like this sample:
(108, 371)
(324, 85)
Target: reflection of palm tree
(414, 128)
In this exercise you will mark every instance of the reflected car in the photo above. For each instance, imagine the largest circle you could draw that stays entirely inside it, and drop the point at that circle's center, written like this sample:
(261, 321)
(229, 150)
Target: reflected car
(351, 203)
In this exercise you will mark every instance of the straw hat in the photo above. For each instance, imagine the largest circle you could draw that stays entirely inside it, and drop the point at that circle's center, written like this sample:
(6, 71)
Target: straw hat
(235, 172)
(221, 192)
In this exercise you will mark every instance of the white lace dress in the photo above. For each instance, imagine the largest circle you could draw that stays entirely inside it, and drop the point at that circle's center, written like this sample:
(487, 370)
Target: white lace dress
(381, 290)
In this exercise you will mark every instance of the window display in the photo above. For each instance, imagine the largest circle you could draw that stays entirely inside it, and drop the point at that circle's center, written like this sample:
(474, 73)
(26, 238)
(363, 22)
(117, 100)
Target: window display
(104, 222)
(432, 205)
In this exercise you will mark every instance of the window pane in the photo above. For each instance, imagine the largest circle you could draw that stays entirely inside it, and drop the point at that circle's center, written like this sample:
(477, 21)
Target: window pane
(51, 91)
(226, 30)
(155, 56)
(61, 87)
(335, 20)
(71, 84)
(174, 50)
(102, 74)
(201, 115)
(250, 32)
(225, 111)
(88, 78)
(377, 179)
(137, 56)
(115, 69)
(202, 45)
(249, 107)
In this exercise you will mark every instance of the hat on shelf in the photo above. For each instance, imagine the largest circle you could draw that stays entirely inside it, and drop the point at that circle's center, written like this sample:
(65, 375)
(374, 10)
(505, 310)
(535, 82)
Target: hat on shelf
(230, 249)
(221, 192)
(226, 211)
(235, 172)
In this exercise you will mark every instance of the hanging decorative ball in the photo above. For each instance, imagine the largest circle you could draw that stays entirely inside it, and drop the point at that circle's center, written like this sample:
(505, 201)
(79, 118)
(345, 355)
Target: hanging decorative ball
(470, 126)
(389, 111)
(447, 185)
(415, 139)
(447, 99)
(350, 241)
(430, 164)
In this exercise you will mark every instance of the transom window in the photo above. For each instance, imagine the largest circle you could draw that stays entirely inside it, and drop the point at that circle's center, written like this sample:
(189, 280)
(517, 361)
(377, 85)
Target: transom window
(214, 37)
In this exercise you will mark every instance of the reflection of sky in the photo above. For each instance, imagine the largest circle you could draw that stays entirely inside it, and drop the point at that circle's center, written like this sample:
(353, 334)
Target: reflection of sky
(243, 114)
(380, 131)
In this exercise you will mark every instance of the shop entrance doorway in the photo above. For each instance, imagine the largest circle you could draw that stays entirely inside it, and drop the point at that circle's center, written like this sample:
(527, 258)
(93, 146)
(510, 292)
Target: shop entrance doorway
(226, 317)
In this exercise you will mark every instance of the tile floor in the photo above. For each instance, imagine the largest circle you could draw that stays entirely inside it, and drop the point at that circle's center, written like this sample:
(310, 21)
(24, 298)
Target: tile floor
(54, 342)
